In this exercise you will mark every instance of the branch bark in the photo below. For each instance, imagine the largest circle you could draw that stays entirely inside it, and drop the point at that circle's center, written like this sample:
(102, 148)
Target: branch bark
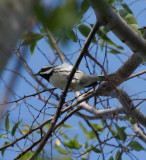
(107, 16)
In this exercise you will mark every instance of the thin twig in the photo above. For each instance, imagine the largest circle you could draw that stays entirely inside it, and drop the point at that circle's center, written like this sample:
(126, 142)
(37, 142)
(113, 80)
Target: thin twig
(60, 54)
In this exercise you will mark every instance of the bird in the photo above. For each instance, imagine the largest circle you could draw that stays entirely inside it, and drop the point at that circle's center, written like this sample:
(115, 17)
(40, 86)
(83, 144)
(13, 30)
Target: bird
(58, 77)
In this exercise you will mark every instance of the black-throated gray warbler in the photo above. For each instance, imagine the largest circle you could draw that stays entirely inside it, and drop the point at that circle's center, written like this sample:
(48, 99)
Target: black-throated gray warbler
(58, 76)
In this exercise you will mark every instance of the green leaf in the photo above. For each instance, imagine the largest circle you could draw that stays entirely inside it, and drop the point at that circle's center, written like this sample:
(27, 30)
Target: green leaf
(115, 133)
(47, 125)
(126, 7)
(64, 135)
(32, 47)
(7, 123)
(83, 128)
(102, 44)
(59, 18)
(61, 150)
(135, 27)
(136, 146)
(24, 131)
(73, 144)
(114, 51)
(84, 30)
(111, 1)
(26, 126)
(121, 132)
(15, 127)
(123, 13)
(132, 121)
(102, 34)
(98, 127)
(30, 37)
(26, 156)
(4, 144)
(117, 155)
(84, 7)
(86, 144)
(67, 126)
(111, 158)
(83, 158)
(96, 150)
(3, 136)
(91, 135)
(72, 36)
(130, 19)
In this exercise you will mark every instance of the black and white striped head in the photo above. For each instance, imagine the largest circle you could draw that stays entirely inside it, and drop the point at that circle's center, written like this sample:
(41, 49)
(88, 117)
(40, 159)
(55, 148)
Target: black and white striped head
(46, 72)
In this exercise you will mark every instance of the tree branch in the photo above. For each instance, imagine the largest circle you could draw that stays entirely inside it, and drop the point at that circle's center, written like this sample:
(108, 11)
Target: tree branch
(56, 116)
(107, 16)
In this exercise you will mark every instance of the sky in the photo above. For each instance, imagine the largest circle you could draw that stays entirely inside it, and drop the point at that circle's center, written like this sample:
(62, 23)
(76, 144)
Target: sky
(37, 60)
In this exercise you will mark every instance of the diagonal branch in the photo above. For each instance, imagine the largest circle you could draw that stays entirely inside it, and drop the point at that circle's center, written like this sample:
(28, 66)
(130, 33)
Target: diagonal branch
(64, 93)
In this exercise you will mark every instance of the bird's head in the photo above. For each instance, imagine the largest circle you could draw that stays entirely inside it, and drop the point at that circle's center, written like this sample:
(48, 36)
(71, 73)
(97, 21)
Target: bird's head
(45, 72)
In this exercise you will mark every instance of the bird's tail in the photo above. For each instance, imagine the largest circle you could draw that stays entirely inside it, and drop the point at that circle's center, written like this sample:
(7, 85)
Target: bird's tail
(110, 77)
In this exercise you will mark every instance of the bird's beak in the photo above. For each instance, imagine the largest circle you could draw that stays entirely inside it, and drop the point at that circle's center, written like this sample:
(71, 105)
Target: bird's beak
(37, 74)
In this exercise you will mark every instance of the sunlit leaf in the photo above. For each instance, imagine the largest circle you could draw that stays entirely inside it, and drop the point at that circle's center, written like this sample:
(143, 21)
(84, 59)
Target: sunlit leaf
(47, 126)
(73, 144)
(136, 146)
(135, 27)
(98, 127)
(24, 131)
(26, 126)
(91, 135)
(130, 19)
(3, 136)
(26, 155)
(67, 126)
(15, 127)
